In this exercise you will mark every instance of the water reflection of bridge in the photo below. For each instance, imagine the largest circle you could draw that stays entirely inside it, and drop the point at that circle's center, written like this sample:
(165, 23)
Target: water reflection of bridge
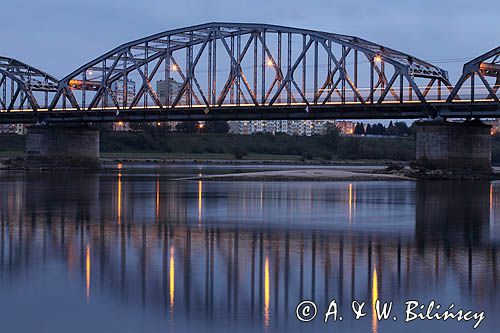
(262, 273)
(178, 267)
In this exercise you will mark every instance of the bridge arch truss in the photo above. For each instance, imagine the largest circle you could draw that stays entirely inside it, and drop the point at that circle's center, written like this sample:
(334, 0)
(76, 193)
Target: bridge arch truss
(24, 87)
(226, 65)
(480, 79)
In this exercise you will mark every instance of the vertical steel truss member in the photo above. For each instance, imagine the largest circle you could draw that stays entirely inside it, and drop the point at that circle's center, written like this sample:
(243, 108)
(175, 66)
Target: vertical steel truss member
(483, 67)
(231, 64)
(21, 85)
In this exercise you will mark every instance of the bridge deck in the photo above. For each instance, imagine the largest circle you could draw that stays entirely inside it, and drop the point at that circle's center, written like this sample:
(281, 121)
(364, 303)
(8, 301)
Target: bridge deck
(486, 109)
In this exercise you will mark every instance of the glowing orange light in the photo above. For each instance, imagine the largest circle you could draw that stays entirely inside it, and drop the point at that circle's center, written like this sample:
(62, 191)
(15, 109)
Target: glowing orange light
(350, 203)
(120, 123)
(172, 279)
(200, 200)
(157, 197)
(201, 125)
(378, 59)
(374, 300)
(174, 67)
(270, 63)
(267, 297)
(87, 271)
(119, 204)
(158, 124)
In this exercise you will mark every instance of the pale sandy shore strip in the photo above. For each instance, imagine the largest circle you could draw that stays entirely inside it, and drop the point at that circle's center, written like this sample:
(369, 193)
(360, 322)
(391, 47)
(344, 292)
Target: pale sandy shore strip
(299, 175)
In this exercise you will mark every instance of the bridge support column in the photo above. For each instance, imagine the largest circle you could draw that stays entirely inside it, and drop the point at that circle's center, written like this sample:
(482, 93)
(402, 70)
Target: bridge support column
(78, 142)
(459, 146)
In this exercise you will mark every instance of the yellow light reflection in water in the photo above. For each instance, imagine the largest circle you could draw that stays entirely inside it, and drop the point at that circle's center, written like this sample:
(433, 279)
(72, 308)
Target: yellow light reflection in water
(200, 197)
(374, 300)
(157, 212)
(354, 203)
(261, 199)
(87, 273)
(119, 204)
(492, 203)
(266, 293)
(172, 279)
(350, 203)
(491, 198)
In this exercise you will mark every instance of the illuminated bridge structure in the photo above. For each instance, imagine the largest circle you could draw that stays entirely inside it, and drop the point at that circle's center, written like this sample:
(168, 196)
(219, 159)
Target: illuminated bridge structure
(235, 71)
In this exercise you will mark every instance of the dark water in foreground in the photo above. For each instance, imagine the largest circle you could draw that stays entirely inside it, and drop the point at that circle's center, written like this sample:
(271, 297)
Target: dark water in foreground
(138, 252)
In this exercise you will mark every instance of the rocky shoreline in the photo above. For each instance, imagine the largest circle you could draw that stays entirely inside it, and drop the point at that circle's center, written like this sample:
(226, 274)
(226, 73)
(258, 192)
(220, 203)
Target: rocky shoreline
(49, 164)
(417, 172)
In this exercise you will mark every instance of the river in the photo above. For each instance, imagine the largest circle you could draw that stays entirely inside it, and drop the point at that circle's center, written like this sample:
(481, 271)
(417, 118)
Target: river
(134, 250)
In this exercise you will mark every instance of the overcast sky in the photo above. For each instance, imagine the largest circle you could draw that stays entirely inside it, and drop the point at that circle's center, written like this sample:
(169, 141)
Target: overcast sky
(60, 35)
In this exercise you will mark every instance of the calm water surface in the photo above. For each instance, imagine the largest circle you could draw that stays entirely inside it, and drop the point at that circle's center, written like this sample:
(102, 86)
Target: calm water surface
(137, 251)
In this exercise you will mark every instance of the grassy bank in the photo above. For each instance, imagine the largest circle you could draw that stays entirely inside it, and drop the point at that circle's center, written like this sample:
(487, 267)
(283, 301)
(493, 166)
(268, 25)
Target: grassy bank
(12, 145)
(152, 145)
(261, 146)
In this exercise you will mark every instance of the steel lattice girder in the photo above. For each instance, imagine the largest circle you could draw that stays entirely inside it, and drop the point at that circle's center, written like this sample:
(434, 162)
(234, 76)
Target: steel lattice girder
(486, 65)
(24, 81)
(33, 78)
(144, 57)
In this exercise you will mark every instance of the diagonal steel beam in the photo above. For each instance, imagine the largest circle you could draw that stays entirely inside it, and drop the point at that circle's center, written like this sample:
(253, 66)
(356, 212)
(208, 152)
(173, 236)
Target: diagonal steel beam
(488, 87)
(240, 71)
(343, 73)
(190, 73)
(289, 75)
(147, 83)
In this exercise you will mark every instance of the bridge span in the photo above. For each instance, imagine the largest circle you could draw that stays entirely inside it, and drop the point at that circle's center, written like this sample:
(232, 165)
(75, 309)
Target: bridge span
(241, 71)
(234, 71)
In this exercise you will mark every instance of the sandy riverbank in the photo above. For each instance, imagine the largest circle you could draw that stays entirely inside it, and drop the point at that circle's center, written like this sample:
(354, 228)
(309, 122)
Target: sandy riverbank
(299, 175)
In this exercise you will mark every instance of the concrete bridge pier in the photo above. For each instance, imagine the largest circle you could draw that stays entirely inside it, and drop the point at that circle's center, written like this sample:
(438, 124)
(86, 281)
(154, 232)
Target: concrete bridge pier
(76, 142)
(456, 146)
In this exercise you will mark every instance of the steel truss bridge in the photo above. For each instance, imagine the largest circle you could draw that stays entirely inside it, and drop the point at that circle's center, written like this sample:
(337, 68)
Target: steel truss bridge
(235, 71)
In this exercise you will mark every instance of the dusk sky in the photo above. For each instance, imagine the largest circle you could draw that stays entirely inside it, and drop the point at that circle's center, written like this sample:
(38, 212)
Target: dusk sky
(59, 36)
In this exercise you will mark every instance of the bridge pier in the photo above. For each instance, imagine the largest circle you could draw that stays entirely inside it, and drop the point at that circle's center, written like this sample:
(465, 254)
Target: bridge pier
(459, 146)
(78, 142)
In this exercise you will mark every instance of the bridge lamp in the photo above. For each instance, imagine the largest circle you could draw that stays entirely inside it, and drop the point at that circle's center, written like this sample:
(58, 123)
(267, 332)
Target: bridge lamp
(270, 63)
(174, 68)
(378, 59)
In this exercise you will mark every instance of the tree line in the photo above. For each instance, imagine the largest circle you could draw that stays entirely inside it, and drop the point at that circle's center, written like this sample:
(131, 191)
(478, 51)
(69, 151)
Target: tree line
(399, 128)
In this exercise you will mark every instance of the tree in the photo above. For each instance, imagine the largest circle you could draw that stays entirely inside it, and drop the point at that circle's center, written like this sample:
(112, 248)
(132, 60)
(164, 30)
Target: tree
(391, 129)
(216, 127)
(359, 129)
(402, 128)
(332, 135)
(378, 129)
(368, 129)
(187, 127)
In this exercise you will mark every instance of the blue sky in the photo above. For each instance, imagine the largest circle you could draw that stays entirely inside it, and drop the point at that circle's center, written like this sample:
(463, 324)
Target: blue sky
(60, 35)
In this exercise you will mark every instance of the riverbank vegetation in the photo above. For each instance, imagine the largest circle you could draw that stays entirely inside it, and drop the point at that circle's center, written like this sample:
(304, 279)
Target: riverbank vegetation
(156, 142)
(325, 147)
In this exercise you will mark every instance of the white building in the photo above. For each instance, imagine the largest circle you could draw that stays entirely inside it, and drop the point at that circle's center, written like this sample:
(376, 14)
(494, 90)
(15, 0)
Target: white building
(290, 127)
(123, 97)
(19, 129)
(118, 89)
(173, 88)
